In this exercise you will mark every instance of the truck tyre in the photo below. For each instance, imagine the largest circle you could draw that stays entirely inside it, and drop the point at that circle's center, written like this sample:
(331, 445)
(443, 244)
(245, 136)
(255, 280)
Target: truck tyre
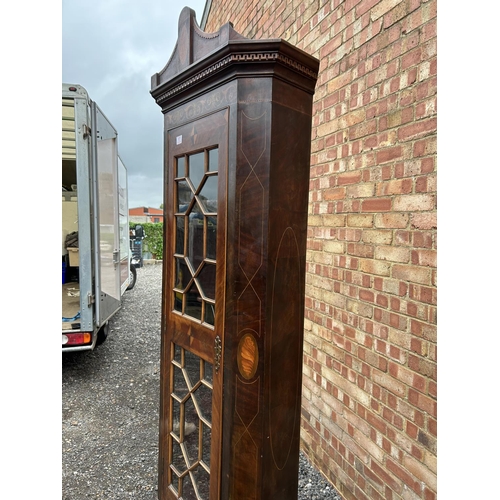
(102, 334)
(132, 277)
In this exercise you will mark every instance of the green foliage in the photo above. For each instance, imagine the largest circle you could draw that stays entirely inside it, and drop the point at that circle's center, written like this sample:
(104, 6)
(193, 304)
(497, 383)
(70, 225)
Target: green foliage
(153, 241)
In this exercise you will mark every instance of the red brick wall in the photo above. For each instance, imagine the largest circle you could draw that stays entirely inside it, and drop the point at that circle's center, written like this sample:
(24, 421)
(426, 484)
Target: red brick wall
(369, 384)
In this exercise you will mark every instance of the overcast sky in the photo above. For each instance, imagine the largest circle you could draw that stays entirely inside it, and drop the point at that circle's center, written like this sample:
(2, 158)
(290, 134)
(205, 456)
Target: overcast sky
(112, 48)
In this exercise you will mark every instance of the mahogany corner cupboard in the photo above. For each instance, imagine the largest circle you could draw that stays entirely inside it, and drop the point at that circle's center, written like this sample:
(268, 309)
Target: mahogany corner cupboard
(237, 143)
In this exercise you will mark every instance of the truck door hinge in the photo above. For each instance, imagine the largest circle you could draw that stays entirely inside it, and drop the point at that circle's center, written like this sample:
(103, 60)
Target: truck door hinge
(90, 299)
(86, 131)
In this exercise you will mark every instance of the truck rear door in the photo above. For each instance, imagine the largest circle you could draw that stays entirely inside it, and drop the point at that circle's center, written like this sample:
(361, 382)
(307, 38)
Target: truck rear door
(106, 222)
(124, 227)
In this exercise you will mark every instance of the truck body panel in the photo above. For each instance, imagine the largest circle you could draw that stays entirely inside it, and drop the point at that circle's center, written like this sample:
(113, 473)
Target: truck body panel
(95, 216)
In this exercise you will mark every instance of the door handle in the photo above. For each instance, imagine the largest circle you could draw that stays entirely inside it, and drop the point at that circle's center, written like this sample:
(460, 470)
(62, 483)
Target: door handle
(217, 353)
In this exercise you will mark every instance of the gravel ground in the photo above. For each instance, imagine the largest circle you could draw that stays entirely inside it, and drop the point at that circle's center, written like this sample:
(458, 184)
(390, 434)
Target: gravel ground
(110, 400)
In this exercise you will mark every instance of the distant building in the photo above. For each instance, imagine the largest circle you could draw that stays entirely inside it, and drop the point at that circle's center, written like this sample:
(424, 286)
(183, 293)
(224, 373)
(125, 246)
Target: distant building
(145, 214)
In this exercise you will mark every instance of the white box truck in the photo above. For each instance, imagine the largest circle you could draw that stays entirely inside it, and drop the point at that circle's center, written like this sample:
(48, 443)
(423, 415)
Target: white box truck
(95, 226)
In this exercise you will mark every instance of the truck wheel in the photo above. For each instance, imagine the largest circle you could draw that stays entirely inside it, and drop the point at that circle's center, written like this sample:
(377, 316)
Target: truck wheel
(132, 277)
(102, 334)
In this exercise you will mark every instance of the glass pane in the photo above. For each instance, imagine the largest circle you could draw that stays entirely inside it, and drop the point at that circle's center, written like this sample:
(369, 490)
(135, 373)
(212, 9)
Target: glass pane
(213, 160)
(197, 168)
(179, 236)
(181, 167)
(202, 398)
(202, 481)
(177, 353)
(193, 302)
(209, 313)
(180, 388)
(184, 196)
(191, 432)
(176, 417)
(195, 236)
(208, 195)
(177, 458)
(178, 302)
(207, 434)
(175, 483)
(187, 489)
(206, 280)
(207, 374)
(192, 367)
(182, 274)
(211, 237)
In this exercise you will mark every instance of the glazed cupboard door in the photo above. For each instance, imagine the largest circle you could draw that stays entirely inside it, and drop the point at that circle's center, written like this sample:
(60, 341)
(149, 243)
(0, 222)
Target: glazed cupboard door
(193, 309)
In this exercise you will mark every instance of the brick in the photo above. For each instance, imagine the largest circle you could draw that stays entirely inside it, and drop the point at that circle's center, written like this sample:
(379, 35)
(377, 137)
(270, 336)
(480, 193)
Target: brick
(356, 220)
(385, 476)
(423, 239)
(349, 234)
(330, 46)
(366, 295)
(334, 194)
(432, 389)
(421, 184)
(411, 58)
(359, 309)
(424, 258)
(381, 8)
(402, 238)
(392, 220)
(424, 221)
(360, 250)
(327, 128)
(379, 237)
(425, 147)
(390, 383)
(365, 190)
(352, 118)
(374, 267)
(382, 300)
(423, 294)
(393, 254)
(362, 129)
(417, 129)
(334, 220)
(396, 186)
(336, 247)
(403, 475)
(423, 366)
(348, 178)
(389, 154)
(376, 205)
(415, 203)
(421, 472)
(412, 274)
(423, 402)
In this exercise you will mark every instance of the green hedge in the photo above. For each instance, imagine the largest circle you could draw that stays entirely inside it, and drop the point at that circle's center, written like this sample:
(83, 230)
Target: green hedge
(153, 240)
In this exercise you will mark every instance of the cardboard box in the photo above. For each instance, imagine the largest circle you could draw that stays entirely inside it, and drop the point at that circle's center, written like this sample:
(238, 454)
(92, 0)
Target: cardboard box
(74, 259)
